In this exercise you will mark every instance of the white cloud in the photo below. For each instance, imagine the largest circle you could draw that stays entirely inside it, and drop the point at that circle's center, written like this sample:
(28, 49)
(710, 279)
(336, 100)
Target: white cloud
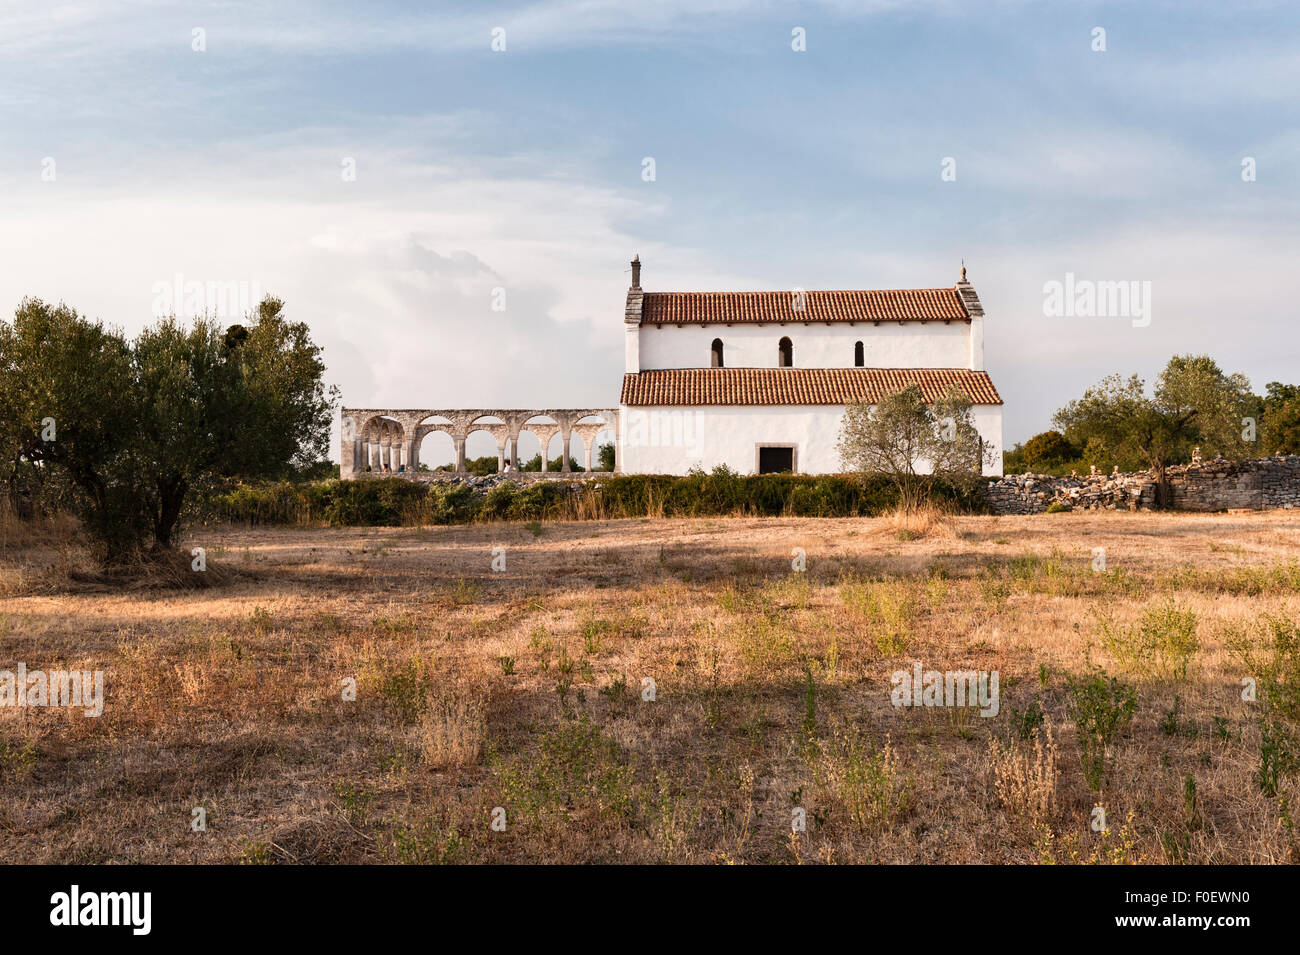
(395, 272)
(73, 31)
(1217, 289)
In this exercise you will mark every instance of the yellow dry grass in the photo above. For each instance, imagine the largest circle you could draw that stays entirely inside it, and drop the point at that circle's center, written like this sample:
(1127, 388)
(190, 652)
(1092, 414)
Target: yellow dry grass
(643, 691)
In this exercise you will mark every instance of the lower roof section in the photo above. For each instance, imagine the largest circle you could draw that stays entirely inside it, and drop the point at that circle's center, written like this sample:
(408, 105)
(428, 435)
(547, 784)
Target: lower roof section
(798, 386)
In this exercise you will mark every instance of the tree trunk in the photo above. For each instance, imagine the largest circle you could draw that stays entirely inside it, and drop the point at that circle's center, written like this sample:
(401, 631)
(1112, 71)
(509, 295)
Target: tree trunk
(1164, 494)
(171, 497)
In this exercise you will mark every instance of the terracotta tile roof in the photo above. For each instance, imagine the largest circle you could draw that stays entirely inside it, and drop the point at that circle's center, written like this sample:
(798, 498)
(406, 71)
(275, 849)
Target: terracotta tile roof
(797, 386)
(876, 305)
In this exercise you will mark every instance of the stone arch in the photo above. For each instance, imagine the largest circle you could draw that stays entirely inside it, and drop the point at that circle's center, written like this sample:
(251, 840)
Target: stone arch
(588, 427)
(497, 427)
(514, 424)
(434, 422)
(382, 440)
(608, 434)
(716, 349)
(584, 438)
(544, 432)
(435, 445)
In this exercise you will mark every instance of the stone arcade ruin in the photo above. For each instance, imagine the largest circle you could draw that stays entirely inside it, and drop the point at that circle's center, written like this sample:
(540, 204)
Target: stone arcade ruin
(386, 441)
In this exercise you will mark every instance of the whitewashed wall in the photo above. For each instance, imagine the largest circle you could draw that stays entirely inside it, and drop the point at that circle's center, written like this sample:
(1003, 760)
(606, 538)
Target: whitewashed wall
(888, 345)
(673, 440)
(988, 422)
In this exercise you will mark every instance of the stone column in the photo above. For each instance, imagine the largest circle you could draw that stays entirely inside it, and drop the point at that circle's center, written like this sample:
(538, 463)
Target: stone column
(544, 435)
(347, 448)
(460, 452)
(501, 457)
(565, 437)
(617, 417)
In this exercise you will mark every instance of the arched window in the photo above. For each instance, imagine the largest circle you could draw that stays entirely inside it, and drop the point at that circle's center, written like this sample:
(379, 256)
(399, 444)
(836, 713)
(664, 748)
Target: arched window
(858, 358)
(717, 353)
(786, 358)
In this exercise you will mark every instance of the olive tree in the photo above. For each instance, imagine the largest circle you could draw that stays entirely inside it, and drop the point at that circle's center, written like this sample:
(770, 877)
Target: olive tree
(67, 403)
(1194, 403)
(138, 426)
(914, 443)
(216, 404)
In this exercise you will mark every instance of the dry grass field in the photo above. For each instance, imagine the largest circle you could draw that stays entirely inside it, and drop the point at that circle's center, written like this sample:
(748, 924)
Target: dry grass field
(522, 689)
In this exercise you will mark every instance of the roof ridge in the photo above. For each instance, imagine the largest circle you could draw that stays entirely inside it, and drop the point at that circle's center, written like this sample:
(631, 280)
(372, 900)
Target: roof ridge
(786, 291)
(961, 368)
(801, 305)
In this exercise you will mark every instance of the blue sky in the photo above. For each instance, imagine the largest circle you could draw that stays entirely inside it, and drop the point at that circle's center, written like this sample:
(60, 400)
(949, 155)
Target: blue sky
(521, 170)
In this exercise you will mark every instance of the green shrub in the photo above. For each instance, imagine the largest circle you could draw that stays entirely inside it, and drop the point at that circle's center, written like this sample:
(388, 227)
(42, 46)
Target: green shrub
(1162, 644)
(1048, 451)
(394, 501)
(377, 502)
(1024, 724)
(452, 503)
(282, 502)
(867, 786)
(497, 502)
(538, 499)
(722, 492)
(577, 772)
(1277, 755)
(1101, 709)
(552, 464)
(1269, 649)
(404, 689)
(482, 466)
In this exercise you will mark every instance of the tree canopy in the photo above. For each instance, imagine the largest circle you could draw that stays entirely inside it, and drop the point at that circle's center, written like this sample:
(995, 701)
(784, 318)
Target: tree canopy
(136, 426)
(913, 443)
(1280, 430)
(1051, 449)
(1193, 404)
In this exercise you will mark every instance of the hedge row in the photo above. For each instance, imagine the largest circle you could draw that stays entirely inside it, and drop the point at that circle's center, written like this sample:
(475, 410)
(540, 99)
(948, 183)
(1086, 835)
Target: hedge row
(398, 502)
(765, 495)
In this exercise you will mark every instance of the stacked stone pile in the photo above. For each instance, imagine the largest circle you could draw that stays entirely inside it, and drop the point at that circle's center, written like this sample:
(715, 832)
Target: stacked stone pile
(1215, 485)
(1035, 493)
(1280, 482)
(489, 481)
(1221, 484)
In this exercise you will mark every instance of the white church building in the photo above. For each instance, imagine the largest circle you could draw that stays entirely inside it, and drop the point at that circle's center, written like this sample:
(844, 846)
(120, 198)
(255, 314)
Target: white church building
(759, 381)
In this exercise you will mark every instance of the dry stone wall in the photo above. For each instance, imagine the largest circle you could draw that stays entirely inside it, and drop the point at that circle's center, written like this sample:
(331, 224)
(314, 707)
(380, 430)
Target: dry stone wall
(1216, 485)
